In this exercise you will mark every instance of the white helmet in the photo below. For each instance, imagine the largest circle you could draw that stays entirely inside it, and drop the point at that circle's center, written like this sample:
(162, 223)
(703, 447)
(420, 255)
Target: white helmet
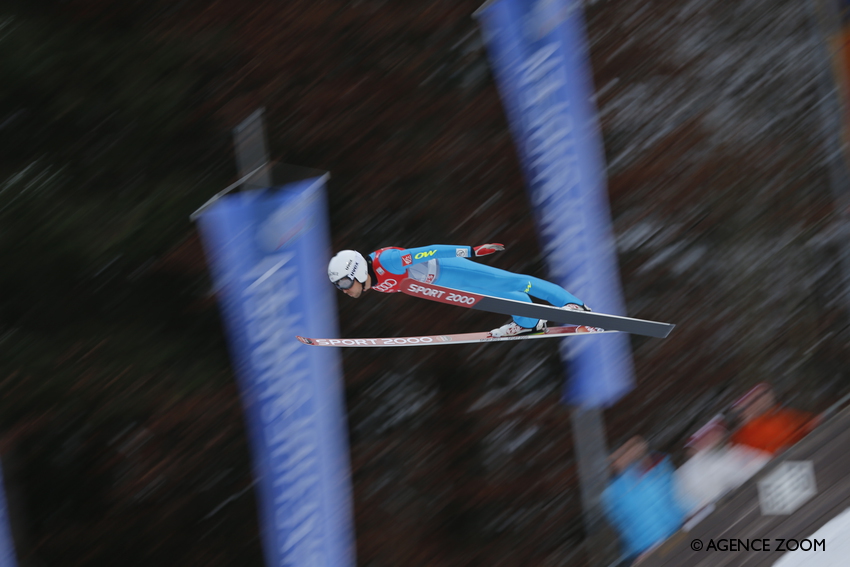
(346, 267)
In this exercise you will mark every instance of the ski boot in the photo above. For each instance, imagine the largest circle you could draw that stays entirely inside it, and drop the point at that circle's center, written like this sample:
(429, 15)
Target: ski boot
(512, 329)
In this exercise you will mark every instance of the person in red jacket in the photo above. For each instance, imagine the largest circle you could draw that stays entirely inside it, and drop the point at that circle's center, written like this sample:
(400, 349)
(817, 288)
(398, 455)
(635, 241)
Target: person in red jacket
(767, 426)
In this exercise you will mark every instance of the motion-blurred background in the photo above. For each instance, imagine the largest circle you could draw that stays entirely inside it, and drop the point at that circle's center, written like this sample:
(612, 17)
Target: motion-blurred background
(121, 429)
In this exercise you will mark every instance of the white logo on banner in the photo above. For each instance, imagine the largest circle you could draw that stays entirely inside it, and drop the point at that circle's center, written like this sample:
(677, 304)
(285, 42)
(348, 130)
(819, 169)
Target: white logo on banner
(286, 408)
(550, 139)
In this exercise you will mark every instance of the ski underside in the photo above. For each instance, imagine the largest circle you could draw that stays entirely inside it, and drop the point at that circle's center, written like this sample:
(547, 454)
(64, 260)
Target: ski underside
(462, 338)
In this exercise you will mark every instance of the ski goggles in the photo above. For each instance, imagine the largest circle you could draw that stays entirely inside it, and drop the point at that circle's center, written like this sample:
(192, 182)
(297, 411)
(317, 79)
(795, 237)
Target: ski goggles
(344, 283)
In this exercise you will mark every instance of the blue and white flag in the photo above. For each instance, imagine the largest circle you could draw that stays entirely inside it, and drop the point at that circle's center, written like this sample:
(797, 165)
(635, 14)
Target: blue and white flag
(268, 252)
(539, 58)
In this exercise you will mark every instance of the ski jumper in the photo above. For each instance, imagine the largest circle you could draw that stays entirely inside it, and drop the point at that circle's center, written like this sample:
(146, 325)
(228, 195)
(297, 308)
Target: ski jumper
(450, 266)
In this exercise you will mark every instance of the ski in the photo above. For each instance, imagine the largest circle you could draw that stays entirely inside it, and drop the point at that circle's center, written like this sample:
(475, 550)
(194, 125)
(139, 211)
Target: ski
(534, 310)
(463, 338)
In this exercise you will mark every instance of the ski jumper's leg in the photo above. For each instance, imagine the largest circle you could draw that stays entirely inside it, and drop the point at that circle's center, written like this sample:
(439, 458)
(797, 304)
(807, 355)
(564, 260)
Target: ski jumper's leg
(466, 275)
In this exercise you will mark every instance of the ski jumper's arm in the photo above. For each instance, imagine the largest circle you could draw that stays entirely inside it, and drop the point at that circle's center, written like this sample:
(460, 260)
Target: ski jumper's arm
(397, 261)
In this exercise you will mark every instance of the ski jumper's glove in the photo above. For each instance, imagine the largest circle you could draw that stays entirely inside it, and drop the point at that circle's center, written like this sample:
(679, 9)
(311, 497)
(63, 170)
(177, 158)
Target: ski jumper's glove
(485, 249)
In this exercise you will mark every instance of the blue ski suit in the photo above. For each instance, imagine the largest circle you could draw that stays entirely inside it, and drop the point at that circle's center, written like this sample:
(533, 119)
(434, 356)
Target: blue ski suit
(450, 266)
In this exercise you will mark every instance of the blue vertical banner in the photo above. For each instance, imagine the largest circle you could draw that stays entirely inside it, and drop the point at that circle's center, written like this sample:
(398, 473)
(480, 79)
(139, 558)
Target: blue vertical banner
(538, 53)
(268, 251)
(7, 544)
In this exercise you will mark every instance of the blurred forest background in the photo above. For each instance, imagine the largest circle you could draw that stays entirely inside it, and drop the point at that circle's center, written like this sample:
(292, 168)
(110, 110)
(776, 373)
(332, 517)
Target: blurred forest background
(120, 422)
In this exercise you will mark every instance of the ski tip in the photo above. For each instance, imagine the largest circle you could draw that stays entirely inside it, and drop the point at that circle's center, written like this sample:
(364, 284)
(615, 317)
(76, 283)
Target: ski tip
(305, 340)
(668, 331)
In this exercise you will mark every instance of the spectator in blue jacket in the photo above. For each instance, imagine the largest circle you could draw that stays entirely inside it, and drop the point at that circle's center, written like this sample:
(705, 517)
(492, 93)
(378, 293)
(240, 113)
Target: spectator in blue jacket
(640, 500)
